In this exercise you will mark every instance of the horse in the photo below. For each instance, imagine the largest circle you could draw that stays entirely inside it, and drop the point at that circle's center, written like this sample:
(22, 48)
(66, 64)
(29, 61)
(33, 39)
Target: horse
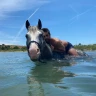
(37, 47)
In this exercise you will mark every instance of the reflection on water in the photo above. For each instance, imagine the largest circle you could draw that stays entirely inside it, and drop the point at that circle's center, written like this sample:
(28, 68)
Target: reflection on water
(47, 73)
(70, 77)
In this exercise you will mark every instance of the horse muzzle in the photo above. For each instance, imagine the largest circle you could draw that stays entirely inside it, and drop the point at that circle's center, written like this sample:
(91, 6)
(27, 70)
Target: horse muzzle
(34, 51)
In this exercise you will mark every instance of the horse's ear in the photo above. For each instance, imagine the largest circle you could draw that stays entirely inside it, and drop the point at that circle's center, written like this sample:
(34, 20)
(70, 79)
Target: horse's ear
(27, 24)
(39, 24)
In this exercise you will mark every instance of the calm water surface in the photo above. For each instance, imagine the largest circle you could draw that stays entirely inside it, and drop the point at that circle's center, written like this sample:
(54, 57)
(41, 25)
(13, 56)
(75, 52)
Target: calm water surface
(19, 76)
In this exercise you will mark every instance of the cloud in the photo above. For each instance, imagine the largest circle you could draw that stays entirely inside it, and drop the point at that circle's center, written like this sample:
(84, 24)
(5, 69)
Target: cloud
(4, 35)
(8, 39)
(8, 6)
(81, 14)
(74, 11)
(8, 42)
(5, 38)
(22, 28)
(10, 27)
(76, 17)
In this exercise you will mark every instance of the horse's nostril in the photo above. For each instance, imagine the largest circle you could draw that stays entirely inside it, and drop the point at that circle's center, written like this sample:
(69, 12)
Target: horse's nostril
(38, 50)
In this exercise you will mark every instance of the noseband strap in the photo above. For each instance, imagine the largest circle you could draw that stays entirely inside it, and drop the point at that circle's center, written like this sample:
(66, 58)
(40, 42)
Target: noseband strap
(34, 42)
(39, 48)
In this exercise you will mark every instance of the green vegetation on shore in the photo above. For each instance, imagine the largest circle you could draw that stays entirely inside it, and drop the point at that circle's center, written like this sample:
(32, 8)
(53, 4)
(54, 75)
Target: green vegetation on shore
(4, 48)
(90, 47)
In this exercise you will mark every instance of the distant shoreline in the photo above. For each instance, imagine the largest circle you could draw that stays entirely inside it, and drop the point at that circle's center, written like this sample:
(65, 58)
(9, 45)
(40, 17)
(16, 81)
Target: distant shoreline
(12, 48)
(13, 51)
(18, 48)
(26, 50)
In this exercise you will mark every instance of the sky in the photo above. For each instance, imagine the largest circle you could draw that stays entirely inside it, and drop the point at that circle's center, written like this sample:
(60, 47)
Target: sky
(70, 20)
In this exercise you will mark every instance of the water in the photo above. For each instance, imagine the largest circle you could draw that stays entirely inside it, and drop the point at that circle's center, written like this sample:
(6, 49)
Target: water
(21, 77)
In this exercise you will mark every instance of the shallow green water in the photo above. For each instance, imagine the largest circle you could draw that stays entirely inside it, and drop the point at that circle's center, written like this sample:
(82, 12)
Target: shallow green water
(21, 77)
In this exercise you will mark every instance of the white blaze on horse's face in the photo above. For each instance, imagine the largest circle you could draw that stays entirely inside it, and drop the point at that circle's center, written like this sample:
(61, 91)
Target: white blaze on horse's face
(32, 35)
(34, 40)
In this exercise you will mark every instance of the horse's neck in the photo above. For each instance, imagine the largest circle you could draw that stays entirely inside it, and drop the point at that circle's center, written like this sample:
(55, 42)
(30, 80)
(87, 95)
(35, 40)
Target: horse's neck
(47, 52)
(49, 48)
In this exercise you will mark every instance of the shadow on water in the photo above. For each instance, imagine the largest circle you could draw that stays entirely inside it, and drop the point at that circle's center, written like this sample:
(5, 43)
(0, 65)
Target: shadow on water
(48, 73)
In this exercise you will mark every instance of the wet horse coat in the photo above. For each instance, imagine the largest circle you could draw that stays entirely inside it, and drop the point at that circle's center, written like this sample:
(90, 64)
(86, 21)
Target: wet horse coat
(36, 46)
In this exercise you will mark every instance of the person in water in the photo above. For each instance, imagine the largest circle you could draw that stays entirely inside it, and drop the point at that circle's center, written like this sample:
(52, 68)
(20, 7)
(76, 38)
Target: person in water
(57, 45)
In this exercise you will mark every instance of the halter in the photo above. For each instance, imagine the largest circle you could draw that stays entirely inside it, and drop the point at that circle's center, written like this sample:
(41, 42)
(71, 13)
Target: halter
(40, 59)
(34, 42)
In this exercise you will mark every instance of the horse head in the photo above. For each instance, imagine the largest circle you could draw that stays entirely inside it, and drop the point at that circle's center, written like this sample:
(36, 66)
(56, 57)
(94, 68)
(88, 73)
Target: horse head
(36, 45)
